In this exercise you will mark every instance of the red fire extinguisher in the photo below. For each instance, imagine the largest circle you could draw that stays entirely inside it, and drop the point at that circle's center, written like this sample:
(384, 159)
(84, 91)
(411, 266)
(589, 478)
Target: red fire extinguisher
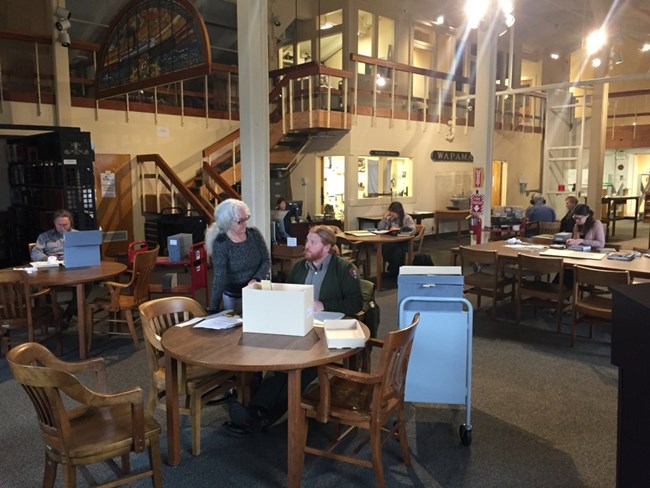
(475, 228)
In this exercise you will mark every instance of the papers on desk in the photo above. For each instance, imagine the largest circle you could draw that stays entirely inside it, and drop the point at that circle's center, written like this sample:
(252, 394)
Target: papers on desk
(359, 233)
(321, 317)
(379, 232)
(219, 321)
(566, 253)
(45, 264)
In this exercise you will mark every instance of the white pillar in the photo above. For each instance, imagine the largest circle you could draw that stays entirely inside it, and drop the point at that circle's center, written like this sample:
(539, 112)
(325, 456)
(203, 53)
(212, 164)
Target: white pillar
(597, 147)
(483, 134)
(252, 38)
(61, 71)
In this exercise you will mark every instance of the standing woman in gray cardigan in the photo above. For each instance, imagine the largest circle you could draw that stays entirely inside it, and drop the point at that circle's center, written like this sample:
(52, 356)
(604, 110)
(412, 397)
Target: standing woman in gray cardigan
(239, 253)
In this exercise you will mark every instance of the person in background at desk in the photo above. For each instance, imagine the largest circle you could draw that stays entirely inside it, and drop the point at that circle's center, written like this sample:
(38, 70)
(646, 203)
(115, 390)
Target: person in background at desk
(567, 223)
(283, 228)
(336, 289)
(586, 231)
(239, 254)
(539, 211)
(395, 220)
(50, 243)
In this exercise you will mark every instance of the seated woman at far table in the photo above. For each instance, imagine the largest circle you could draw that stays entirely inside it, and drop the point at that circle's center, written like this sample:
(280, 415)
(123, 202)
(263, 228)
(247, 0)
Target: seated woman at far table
(395, 219)
(587, 231)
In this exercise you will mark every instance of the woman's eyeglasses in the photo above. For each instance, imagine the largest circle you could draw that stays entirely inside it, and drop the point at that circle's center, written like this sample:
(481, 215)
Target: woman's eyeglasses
(579, 217)
(243, 221)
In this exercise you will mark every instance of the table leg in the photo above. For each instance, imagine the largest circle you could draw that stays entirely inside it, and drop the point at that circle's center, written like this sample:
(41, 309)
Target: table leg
(173, 422)
(81, 320)
(295, 430)
(436, 222)
(379, 266)
(636, 215)
(409, 259)
(458, 230)
(613, 220)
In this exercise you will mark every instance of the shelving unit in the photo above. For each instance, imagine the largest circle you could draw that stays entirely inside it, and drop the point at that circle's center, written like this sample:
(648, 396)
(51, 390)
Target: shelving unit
(49, 171)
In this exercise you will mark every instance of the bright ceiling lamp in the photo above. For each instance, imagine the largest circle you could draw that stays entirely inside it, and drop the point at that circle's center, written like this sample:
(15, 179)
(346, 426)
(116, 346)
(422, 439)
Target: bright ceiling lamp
(475, 10)
(555, 56)
(596, 62)
(596, 40)
(439, 20)
(646, 47)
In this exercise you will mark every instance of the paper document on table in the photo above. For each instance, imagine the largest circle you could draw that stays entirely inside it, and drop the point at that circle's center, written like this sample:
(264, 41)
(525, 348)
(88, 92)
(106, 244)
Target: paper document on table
(219, 322)
(320, 317)
(385, 231)
(196, 320)
(359, 233)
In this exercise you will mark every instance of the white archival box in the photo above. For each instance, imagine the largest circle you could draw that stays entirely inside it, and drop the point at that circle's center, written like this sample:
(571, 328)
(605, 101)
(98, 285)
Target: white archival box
(285, 309)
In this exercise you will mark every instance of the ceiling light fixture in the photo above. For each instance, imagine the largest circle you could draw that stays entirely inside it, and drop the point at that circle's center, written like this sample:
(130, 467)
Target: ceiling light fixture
(596, 62)
(555, 56)
(476, 10)
(62, 24)
(439, 20)
(646, 47)
(617, 57)
(596, 40)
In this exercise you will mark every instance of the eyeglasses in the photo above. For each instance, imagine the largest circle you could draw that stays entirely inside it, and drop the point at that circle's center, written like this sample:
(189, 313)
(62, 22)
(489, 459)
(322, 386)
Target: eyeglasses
(579, 217)
(243, 221)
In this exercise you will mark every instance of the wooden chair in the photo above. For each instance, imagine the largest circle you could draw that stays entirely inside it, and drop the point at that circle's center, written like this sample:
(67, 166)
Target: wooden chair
(363, 400)
(551, 228)
(197, 385)
(121, 304)
(534, 285)
(98, 427)
(591, 298)
(21, 309)
(487, 278)
(198, 276)
(418, 240)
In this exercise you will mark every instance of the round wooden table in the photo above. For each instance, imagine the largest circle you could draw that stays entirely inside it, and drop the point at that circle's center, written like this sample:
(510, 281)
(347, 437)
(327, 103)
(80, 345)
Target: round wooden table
(77, 277)
(234, 350)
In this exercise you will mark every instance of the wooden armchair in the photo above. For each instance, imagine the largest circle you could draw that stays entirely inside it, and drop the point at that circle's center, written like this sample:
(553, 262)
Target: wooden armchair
(100, 426)
(119, 304)
(197, 385)
(365, 400)
(486, 278)
(591, 297)
(21, 309)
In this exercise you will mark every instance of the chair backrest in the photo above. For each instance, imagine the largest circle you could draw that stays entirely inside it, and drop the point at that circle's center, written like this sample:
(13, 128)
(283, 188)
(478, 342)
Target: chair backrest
(143, 264)
(394, 360)
(419, 237)
(160, 314)
(134, 248)
(470, 255)
(594, 277)
(44, 377)
(549, 227)
(540, 265)
(15, 304)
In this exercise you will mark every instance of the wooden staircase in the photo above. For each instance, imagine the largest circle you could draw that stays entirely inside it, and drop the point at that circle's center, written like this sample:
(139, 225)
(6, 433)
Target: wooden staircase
(303, 104)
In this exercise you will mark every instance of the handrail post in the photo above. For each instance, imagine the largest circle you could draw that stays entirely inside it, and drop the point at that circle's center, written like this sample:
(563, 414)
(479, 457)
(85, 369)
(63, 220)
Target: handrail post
(38, 80)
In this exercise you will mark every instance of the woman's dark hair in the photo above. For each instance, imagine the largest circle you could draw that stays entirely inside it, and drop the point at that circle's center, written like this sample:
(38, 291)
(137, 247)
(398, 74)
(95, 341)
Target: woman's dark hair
(399, 210)
(280, 200)
(581, 211)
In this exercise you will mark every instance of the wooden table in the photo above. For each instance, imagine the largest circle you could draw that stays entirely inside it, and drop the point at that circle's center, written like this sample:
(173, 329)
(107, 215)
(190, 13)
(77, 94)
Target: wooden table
(77, 277)
(418, 216)
(611, 204)
(457, 216)
(282, 253)
(234, 350)
(638, 267)
(373, 221)
(377, 240)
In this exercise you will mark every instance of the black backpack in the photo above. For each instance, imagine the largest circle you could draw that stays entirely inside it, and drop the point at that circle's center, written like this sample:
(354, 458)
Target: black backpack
(370, 307)
(421, 259)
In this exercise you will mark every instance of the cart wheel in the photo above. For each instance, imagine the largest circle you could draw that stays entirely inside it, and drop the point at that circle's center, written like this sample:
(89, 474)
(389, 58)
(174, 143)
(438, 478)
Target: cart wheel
(465, 435)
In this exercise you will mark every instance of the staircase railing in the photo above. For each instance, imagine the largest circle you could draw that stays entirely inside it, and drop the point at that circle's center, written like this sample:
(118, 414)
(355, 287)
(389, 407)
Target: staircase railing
(155, 183)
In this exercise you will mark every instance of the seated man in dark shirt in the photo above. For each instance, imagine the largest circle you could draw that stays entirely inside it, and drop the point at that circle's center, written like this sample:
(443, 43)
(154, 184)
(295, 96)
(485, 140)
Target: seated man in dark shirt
(336, 289)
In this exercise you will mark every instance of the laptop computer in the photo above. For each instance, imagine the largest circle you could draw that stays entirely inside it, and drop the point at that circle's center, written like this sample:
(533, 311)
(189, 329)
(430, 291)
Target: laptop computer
(81, 248)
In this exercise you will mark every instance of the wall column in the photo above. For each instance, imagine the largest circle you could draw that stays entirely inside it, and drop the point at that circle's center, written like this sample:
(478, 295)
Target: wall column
(252, 38)
(61, 71)
(486, 60)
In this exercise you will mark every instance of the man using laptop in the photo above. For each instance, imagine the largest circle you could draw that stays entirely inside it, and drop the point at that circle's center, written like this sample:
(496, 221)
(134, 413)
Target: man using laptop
(50, 243)
(336, 289)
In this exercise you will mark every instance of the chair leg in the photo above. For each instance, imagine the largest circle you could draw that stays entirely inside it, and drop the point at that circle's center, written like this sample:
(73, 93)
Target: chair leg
(69, 476)
(154, 460)
(195, 419)
(131, 322)
(375, 446)
(574, 325)
(126, 464)
(89, 313)
(403, 440)
(49, 476)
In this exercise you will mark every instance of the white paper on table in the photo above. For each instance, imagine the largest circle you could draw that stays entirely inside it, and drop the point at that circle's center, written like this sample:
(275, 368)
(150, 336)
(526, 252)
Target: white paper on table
(196, 320)
(220, 322)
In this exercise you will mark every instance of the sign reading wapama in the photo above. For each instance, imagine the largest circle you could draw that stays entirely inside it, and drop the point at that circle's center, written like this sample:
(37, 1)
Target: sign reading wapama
(452, 156)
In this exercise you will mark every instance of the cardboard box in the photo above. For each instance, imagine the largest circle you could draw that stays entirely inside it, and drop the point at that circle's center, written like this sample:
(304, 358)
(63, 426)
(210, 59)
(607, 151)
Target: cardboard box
(169, 281)
(344, 333)
(178, 246)
(284, 309)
